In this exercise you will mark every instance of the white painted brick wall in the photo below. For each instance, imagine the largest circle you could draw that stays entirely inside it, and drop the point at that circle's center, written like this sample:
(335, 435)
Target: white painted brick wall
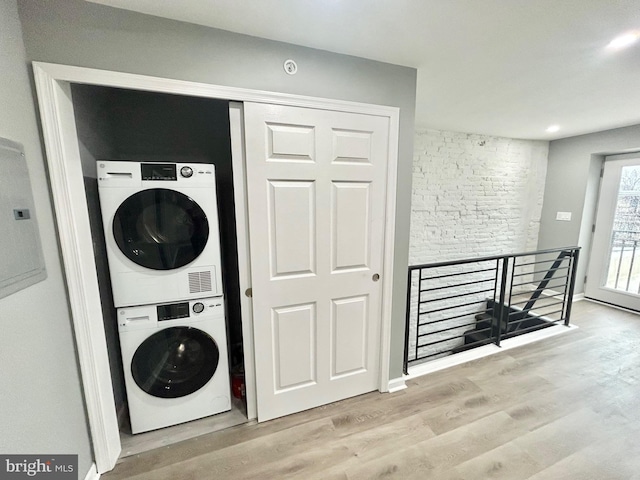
(473, 196)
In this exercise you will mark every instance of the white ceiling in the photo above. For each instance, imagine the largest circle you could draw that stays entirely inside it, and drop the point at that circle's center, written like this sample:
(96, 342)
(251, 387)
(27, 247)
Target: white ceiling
(495, 67)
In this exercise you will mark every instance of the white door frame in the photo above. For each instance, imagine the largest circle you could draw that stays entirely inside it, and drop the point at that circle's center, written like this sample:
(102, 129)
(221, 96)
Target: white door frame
(65, 172)
(600, 241)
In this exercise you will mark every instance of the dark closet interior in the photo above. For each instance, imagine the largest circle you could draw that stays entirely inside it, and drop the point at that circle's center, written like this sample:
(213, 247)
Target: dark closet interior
(119, 124)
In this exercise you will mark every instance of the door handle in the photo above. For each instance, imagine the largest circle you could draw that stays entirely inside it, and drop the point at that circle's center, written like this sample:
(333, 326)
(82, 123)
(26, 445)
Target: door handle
(249, 292)
(375, 277)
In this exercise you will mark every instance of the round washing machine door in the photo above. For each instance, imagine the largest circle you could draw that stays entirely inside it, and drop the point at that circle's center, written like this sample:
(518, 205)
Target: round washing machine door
(175, 362)
(160, 229)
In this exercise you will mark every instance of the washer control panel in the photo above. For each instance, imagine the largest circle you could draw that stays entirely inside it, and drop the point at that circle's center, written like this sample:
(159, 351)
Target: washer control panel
(120, 173)
(150, 316)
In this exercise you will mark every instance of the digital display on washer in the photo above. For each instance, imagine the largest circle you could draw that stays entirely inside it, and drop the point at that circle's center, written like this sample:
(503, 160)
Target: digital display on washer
(158, 171)
(173, 311)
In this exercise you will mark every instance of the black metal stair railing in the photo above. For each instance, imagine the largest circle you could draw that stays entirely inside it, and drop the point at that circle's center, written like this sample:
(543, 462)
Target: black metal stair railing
(459, 305)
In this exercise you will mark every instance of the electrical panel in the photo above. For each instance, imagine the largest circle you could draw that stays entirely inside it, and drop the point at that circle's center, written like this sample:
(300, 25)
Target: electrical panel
(21, 258)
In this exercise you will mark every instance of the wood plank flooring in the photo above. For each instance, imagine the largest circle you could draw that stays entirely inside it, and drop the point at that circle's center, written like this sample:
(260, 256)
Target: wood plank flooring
(143, 442)
(562, 408)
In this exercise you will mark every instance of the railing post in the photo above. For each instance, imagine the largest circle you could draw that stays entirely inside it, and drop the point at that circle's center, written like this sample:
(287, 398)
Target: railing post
(633, 258)
(495, 287)
(405, 366)
(503, 289)
(572, 285)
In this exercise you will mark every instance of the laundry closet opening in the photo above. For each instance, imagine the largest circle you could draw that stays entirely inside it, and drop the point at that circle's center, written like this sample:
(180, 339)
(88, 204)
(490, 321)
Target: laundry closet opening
(144, 127)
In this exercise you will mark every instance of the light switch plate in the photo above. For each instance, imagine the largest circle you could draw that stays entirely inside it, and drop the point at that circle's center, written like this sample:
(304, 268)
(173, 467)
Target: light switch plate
(563, 216)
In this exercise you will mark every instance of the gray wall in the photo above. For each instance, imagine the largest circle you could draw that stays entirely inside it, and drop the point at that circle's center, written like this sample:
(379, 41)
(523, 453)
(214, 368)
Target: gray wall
(42, 406)
(573, 175)
(75, 32)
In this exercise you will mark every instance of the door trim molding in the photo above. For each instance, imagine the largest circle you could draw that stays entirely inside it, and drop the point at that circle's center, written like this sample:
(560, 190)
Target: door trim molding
(389, 242)
(72, 218)
(601, 247)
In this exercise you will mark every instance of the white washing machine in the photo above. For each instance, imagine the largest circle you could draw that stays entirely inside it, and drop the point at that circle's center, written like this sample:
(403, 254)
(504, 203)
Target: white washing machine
(161, 231)
(175, 362)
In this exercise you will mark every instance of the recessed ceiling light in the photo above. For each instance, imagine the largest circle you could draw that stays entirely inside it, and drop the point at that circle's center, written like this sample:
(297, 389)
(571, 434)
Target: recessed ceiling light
(553, 128)
(624, 40)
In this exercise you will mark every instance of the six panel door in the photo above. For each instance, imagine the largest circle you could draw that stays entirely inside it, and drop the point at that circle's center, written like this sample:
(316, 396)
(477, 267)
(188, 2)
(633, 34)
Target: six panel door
(316, 184)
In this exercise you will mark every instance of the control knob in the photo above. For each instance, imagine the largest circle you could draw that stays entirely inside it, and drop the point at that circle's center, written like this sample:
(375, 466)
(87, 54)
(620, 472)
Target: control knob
(198, 307)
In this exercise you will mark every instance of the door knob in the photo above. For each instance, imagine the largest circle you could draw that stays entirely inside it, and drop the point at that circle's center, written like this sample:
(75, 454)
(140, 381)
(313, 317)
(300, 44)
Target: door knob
(375, 277)
(249, 292)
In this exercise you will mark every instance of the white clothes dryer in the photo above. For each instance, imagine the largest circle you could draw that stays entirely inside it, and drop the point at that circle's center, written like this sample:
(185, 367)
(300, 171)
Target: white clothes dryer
(161, 231)
(175, 362)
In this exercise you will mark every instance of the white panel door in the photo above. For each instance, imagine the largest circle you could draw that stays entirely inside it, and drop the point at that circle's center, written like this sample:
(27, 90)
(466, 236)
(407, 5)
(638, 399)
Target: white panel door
(316, 184)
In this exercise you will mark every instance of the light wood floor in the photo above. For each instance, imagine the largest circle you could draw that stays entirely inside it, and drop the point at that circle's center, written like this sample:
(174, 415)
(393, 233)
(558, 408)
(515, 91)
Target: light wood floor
(143, 442)
(563, 408)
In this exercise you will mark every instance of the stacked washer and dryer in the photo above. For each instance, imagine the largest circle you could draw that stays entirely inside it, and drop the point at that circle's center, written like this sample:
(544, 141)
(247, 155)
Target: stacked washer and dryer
(163, 249)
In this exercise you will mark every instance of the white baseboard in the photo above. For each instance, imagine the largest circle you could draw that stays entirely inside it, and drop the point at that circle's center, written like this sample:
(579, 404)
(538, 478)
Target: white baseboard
(536, 336)
(397, 384)
(92, 474)
(611, 305)
(452, 360)
(486, 350)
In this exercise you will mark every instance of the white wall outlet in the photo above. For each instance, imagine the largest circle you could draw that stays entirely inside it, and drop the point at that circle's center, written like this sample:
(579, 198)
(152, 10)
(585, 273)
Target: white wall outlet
(563, 216)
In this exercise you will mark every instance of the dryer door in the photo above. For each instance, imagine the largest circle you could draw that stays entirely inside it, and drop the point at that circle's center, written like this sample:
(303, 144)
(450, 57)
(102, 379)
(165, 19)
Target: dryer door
(160, 229)
(175, 362)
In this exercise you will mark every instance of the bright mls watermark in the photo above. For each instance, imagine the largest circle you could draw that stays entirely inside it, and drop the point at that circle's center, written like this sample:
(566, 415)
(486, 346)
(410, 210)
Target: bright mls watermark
(50, 467)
